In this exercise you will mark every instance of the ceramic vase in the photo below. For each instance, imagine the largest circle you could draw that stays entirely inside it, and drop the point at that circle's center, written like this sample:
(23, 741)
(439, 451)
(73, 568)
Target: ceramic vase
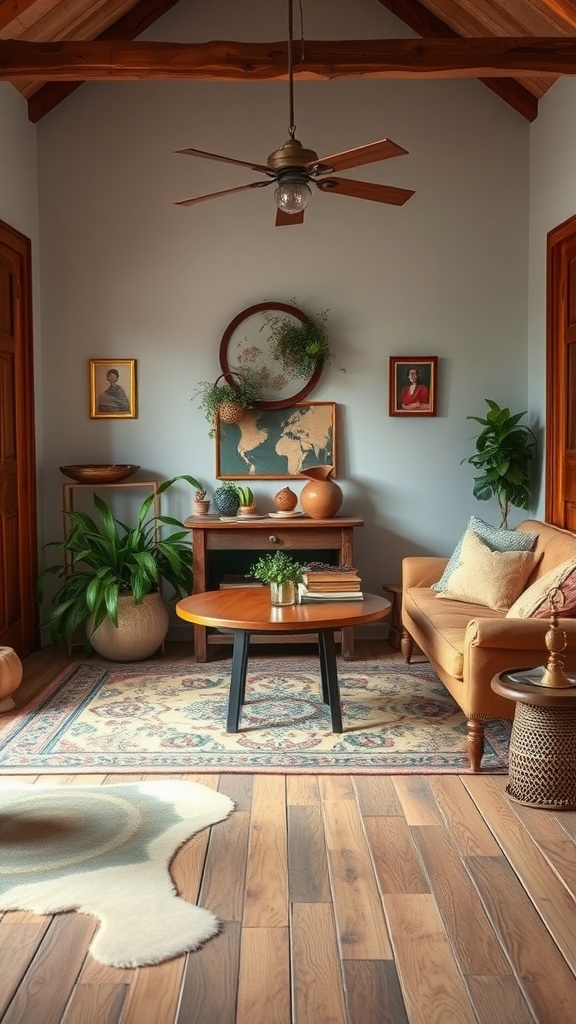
(321, 497)
(285, 500)
(283, 593)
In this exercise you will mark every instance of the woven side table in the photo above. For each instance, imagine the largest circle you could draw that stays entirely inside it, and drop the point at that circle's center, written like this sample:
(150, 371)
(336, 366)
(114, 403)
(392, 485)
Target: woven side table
(542, 758)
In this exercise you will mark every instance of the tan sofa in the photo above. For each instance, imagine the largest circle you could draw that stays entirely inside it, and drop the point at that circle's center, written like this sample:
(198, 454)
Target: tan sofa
(468, 644)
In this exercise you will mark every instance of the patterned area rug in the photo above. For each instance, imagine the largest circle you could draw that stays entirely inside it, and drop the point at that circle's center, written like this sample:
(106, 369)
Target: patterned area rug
(154, 717)
(105, 850)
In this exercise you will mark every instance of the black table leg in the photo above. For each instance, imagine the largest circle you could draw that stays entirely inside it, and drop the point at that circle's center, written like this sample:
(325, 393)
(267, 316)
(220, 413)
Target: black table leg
(329, 675)
(237, 678)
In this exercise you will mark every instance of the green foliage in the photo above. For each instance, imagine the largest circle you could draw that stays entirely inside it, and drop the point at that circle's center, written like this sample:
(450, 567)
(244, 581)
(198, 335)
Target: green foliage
(245, 495)
(504, 450)
(299, 345)
(245, 391)
(110, 559)
(278, 567)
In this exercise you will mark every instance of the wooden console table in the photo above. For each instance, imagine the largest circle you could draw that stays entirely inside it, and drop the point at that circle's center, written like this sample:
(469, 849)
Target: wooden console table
(211, 535)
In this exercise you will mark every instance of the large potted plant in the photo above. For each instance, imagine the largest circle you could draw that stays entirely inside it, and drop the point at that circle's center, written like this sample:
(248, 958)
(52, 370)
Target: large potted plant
(282, 572)
(111, 579)
(504, 451)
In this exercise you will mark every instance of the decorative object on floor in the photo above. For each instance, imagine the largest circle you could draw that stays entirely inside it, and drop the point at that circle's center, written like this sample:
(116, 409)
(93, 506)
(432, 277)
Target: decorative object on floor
(10, 676)
(226, 499)
(114, 564)
(200, 504)
(158, 717)
(105, 850)
(98, 474)
(282, 572)
(285, 500)
(412, 385)
(113, 389)
(292, 167)
(228, 398)
(321, 497)
(277, 443)
(504, 450)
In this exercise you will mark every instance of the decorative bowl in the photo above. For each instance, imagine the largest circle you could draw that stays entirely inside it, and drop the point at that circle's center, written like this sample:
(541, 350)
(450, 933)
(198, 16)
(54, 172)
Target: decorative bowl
(95, 474)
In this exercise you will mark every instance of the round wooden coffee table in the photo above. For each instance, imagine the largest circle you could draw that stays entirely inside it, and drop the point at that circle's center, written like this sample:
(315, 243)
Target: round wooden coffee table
(542, 759)
(244, 611)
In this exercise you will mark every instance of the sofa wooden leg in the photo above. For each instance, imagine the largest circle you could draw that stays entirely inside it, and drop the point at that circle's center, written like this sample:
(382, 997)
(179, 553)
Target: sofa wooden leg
(406, 645)
(475, 743)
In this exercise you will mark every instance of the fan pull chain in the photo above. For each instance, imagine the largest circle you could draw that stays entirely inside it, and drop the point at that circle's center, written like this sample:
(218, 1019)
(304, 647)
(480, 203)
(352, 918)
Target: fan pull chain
(292, 126)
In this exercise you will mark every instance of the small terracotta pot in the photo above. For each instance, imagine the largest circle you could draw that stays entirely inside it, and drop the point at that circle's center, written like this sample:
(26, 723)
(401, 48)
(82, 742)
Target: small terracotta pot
(201, 508)
(246, 510)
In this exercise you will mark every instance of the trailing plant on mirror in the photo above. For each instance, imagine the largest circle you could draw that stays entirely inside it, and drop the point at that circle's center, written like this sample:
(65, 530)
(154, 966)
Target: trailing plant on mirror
(504, 450)
(299, 345)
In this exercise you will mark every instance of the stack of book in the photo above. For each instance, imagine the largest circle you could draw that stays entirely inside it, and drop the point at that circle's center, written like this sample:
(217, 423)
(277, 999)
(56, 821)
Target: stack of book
(324, 582)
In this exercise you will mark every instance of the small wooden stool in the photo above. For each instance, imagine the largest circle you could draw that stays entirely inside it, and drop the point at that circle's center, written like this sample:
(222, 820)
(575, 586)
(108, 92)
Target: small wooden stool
(395, 618)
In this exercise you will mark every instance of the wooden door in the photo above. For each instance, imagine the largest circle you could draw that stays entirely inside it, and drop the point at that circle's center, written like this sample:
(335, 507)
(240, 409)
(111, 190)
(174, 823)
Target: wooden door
(18, 538)
(561, 376)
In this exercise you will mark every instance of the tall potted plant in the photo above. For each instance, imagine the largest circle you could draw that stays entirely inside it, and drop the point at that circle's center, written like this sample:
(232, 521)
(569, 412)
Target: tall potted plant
(504, 450)
(111, 579)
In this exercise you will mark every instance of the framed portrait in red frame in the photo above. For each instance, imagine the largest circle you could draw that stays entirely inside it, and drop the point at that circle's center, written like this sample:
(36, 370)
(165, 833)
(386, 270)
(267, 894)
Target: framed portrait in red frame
(413, 385)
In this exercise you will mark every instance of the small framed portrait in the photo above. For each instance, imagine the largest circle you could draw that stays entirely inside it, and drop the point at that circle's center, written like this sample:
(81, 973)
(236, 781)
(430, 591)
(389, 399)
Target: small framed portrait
(112, 384)
(413, 385)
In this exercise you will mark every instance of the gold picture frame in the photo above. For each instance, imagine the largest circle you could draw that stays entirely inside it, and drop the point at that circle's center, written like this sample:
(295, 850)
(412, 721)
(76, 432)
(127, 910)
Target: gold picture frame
(112, 389)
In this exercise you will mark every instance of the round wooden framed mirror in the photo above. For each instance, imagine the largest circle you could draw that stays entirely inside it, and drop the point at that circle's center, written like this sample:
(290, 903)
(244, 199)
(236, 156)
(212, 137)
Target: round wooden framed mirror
(245, 343)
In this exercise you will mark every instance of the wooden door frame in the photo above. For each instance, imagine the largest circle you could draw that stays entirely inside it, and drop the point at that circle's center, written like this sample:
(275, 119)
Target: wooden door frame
(21, 248)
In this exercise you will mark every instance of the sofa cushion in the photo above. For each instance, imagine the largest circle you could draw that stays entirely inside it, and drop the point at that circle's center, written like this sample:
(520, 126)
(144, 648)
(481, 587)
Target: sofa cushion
(487, 577)
(534, 603)
(497, 540)
(441, 628)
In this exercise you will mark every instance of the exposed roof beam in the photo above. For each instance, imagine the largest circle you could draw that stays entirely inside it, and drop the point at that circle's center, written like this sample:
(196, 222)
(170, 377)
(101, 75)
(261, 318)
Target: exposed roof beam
(428, 25)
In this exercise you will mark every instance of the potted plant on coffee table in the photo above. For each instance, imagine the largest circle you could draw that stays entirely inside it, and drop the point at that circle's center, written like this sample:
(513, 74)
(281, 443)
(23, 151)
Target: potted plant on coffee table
(111, 579)
(282, 572)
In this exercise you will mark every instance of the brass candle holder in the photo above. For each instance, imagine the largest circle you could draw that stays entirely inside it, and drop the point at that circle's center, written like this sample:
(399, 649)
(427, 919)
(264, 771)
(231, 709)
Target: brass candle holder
(556, 641)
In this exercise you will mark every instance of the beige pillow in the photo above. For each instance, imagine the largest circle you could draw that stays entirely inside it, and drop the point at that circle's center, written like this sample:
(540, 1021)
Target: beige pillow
(492, 578)
(534, 603)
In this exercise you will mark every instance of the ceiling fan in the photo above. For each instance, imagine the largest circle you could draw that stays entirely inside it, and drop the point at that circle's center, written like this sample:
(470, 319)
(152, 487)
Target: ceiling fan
(293, 168)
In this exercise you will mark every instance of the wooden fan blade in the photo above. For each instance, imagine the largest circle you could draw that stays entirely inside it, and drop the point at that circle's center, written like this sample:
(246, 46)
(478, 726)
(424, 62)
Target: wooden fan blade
(366, 190)
(225, 159)
(370, 154)
(282, 218)
(224, 192)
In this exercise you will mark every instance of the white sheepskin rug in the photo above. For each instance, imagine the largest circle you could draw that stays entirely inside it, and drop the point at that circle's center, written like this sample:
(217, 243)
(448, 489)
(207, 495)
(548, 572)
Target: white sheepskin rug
(106, 851)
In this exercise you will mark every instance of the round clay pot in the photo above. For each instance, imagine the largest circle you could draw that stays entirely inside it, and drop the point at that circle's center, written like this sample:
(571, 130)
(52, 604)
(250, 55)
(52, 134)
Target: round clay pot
(140, 632)
(201, 507)
(10, 676)
(285, 500)
(321, 497)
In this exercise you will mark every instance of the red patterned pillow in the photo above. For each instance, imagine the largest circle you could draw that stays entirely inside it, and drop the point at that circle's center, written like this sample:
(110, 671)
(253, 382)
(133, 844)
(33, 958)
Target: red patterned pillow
(534, 602)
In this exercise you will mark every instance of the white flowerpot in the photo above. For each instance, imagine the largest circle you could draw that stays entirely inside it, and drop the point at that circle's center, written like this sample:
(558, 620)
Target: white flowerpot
(140, 632)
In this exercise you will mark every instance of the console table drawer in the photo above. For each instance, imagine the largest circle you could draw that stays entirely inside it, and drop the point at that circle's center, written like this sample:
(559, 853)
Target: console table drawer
(270, 538)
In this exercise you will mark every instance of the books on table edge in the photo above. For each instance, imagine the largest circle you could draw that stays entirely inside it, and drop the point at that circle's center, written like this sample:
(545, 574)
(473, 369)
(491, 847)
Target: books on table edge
(305, 595)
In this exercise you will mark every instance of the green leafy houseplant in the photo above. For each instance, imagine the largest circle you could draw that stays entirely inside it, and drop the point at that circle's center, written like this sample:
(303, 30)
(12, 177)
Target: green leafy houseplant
(228, 398)
(504, 450)
(278, 568)
(299, 345)
(108, 559)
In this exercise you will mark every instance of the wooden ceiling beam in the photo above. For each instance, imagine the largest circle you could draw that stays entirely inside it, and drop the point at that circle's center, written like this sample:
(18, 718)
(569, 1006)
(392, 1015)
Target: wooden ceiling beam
(429, 26)
(102, 60)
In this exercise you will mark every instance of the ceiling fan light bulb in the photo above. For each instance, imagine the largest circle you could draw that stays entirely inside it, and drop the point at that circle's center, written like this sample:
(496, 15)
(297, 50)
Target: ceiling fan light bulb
(292, 197)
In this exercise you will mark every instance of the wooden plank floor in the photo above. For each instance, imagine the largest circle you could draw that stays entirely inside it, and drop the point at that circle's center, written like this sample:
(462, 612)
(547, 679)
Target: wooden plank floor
(344, 900)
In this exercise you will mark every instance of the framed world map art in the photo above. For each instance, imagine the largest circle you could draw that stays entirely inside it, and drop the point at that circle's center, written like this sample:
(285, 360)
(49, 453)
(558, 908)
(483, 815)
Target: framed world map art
(277, 444)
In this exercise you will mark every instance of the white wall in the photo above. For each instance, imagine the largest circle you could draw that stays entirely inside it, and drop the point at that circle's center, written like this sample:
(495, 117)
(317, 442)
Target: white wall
(125, 273)
(552, 201)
